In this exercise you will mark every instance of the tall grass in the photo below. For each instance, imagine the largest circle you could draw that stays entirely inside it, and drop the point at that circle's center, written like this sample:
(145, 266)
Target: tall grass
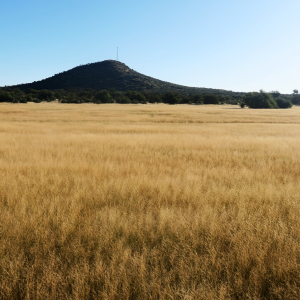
(149, 202)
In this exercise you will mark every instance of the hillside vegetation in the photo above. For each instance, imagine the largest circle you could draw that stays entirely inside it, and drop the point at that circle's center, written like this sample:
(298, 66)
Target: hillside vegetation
(110, 74)
(149, 202)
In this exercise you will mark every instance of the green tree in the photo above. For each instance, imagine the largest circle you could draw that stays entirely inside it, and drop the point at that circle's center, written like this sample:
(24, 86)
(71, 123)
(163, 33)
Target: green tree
(296, 99)
(45, 95)
(136, 97)
(260, 100)
(103, 97)
(71, 97)
(197, 99)
(86, 95)
(283, 103)
(275, 94)
(152, 97)
(23, 100)
(172, 98)
(211, 99)
(6, 97)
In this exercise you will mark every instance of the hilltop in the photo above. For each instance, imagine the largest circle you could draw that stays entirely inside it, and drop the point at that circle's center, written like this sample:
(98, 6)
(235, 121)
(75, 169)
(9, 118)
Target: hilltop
(110, 74)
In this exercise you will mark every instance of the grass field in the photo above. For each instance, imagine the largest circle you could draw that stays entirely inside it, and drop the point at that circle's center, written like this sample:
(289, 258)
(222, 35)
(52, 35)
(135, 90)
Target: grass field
(149, 202)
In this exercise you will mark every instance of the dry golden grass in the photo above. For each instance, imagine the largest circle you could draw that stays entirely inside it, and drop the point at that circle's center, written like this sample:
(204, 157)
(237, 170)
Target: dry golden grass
(149, 202)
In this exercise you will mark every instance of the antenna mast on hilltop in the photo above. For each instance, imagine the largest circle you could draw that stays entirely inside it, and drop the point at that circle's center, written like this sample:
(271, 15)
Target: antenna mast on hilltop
(117, 54)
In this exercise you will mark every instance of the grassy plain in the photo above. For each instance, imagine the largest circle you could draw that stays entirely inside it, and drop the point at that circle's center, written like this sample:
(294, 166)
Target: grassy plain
(149, 202)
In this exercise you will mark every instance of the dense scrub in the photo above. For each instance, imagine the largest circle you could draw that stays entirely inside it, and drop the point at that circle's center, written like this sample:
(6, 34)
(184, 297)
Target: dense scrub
(251, 100)
(16, 95)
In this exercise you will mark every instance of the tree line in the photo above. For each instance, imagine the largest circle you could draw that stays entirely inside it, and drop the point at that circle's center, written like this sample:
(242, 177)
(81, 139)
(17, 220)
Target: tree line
(252, 100)
(15, 95)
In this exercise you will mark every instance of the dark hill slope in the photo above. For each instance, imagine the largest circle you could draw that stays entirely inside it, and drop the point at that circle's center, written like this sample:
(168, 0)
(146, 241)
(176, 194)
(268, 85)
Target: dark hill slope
(111, 74)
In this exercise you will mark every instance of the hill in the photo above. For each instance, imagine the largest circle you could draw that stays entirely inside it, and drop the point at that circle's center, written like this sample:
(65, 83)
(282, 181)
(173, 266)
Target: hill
(110, 74)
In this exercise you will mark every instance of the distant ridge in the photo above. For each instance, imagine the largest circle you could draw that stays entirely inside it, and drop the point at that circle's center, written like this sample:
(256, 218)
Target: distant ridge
(110, 74)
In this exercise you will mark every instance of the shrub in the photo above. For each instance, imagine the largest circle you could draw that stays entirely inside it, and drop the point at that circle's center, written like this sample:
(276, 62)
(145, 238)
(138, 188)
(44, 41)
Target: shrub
(103, 97)
(284, 103)
(172, 98)
(6, 97)
(23, 100)
(211, 99)
(122, 99)
(46, 95)
(197, 99)
(260, 100)
(29, 98)
(136, 97)
(296, 99)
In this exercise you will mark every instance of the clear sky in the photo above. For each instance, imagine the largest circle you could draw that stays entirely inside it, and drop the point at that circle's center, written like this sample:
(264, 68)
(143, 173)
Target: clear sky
(239, 45)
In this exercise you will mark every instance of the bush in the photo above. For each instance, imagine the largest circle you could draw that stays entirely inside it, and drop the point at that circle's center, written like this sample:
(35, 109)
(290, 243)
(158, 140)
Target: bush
(260, 100)
(197, 99)
(172, 98)
(23, 100)
(32, 92)
(6, 97)
(46, 95)
(136, 97)
(85, 96)
(121, 98)
(152, 97)
(296, 99)
(29, 98)
(284, 103)
(103, 97)
(71, 98)
(211, 99)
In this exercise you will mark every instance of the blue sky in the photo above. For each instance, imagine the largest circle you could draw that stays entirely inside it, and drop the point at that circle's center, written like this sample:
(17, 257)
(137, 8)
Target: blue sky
(243, 45)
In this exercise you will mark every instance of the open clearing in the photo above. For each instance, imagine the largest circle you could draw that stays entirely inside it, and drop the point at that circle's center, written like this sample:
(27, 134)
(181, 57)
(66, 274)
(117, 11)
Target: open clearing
(149, 202)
